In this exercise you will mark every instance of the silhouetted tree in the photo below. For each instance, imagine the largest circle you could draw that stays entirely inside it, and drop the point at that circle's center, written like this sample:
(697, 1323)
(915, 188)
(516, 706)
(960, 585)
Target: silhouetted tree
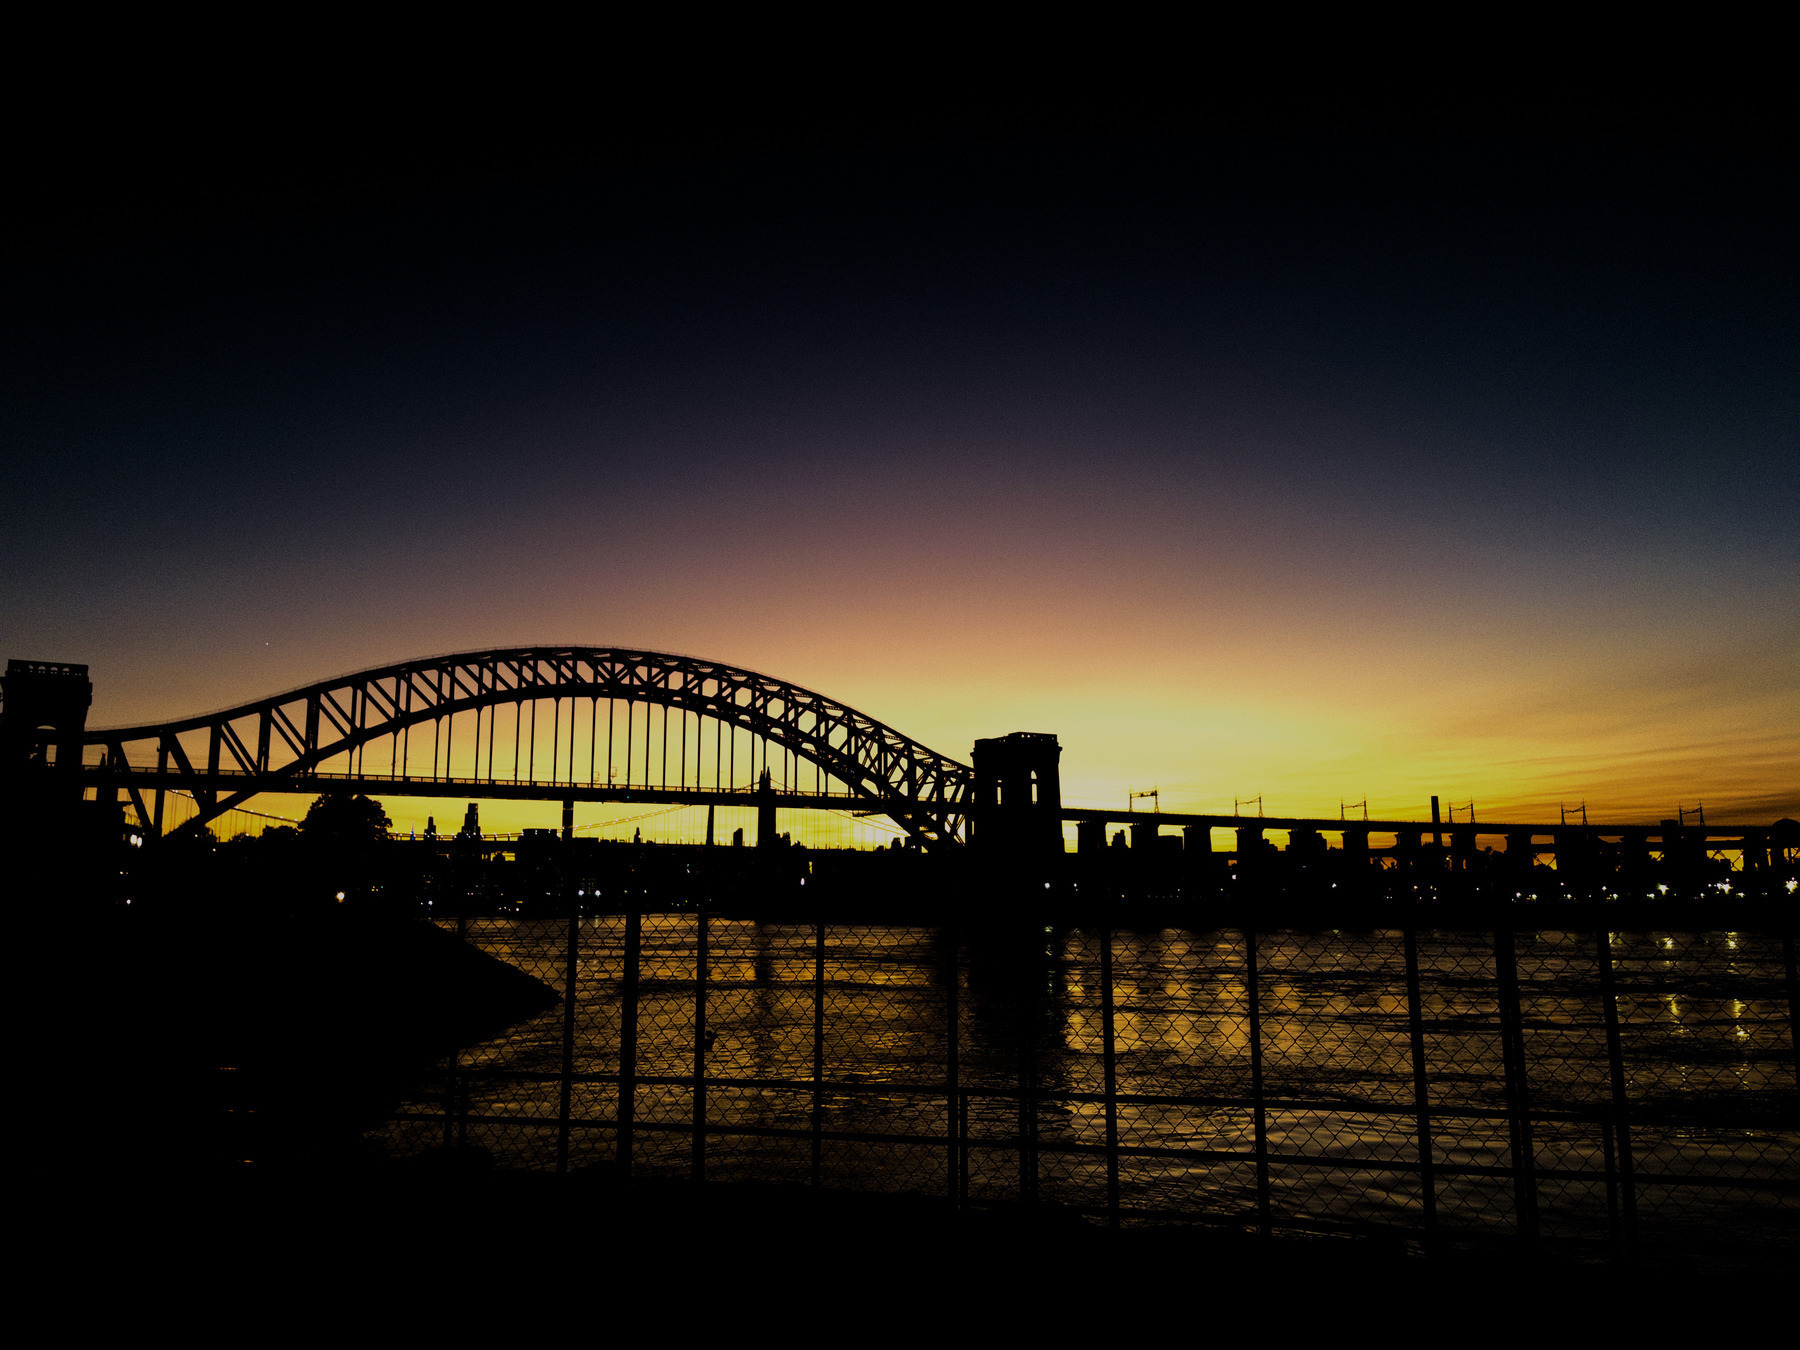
(181, 870)
(348, 852)
(339, 818)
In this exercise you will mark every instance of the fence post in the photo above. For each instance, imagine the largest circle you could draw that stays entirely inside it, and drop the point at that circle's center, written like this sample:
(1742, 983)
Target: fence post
(450, 1099)
(1259, 1116)
(1793, 993)
(1518, 1103)
(1609, 1169)
(1421, 1091)
(571, 966)
(962, 1161)
(628, 1036)
(698, 1169)
(455, 1129)
(1109, 1060)
(953, 1144)
(1618, 1117)
(818, 1064)
(1028, 1168)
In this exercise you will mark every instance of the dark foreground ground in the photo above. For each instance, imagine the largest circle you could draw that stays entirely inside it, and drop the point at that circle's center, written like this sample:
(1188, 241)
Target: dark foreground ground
(445, 1249)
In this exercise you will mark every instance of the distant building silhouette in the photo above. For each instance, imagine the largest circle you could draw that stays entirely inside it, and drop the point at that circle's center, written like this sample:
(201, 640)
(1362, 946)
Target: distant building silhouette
(765, 811)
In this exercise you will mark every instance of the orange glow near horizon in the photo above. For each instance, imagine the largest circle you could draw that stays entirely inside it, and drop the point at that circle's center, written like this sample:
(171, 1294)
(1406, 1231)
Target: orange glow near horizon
(1304, 649)
(1517, 741)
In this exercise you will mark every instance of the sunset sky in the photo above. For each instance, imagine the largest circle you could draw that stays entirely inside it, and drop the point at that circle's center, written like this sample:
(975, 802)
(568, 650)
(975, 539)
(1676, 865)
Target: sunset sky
(1339, 460)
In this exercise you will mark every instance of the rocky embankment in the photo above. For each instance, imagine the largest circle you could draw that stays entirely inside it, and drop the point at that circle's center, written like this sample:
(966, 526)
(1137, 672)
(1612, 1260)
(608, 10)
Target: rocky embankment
(274, 1042)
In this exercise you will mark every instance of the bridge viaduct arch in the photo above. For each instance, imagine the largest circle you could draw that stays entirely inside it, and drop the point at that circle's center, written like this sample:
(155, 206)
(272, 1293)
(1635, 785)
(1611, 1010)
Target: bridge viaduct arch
(281, 743)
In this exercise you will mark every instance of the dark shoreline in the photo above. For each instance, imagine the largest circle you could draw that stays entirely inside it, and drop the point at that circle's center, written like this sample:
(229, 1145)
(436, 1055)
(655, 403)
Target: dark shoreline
(1771, 917)
(270, 1037)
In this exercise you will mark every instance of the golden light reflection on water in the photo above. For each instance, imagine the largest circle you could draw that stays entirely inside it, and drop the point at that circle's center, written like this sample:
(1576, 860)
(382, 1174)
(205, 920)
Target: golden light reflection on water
(1337, 1054)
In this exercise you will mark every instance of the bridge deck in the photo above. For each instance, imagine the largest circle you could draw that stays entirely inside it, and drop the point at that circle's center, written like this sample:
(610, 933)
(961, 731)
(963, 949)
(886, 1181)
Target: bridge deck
(380, 785)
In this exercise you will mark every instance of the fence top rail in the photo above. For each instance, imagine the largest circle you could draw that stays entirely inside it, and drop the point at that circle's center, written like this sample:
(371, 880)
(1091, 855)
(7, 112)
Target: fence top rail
(1549, 920)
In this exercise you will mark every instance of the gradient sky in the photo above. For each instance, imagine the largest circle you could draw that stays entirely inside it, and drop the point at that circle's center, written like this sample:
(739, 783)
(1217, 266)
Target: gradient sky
(1328, 463)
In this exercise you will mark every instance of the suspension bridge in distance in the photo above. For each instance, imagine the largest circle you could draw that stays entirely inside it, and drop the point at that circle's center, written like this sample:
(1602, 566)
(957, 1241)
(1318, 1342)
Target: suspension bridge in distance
(623, 725)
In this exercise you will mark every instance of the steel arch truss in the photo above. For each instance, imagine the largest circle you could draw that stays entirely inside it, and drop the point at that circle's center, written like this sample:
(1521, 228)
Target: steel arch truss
(286, 738)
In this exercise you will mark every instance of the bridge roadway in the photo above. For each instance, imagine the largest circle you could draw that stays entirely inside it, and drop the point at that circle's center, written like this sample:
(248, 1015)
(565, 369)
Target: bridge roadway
(498, 789)
(1327, 825)
(380, 785)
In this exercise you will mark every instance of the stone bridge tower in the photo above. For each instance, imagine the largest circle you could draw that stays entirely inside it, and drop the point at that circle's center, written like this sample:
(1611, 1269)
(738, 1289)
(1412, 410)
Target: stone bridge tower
(1018, 796)
(41, 725)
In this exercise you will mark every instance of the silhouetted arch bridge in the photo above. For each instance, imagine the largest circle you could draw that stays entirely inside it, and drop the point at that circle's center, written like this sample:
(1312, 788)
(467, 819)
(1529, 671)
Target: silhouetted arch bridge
(607, 724)
(586, 724)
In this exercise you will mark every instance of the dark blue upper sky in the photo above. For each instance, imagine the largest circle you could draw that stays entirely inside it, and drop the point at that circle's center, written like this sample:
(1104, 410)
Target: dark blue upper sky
(1540, 368)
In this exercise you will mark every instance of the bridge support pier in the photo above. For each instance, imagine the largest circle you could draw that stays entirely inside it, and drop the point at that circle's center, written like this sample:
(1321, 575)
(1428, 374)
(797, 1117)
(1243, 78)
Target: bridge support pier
(1462, 850)
(1409, 848)
(1683, 853)
(1197, 858)
(1521, 853)
(1754, 853)
(1251, 851)
(1574, 856)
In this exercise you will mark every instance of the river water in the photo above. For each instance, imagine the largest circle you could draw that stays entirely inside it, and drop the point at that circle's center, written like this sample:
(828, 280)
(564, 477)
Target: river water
(1707, 1052)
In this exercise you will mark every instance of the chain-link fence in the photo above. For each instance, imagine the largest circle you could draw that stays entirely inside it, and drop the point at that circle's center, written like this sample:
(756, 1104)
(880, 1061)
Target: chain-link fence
(1588, 1090)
